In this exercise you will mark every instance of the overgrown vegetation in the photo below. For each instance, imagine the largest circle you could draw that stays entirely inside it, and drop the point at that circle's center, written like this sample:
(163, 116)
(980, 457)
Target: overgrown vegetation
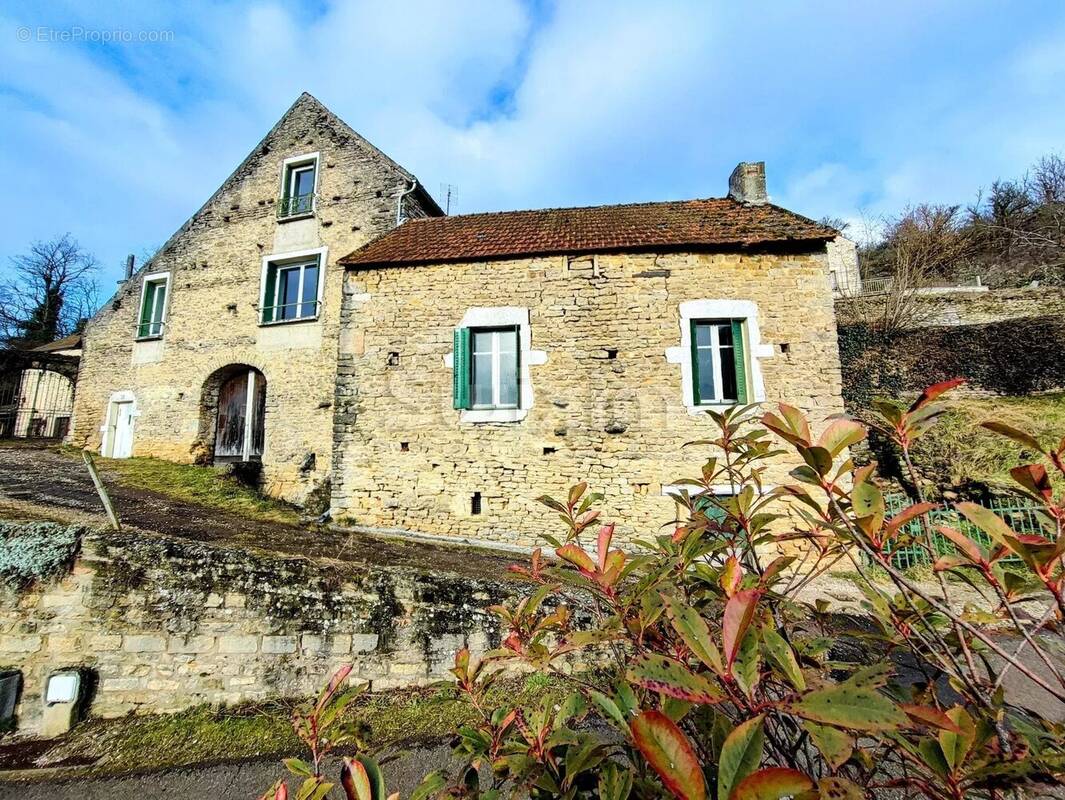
(36, 551)
(205, 734)
(720, 685)
(196, 484)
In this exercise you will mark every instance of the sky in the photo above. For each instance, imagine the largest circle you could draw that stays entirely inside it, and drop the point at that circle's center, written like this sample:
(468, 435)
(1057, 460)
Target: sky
(121, 118)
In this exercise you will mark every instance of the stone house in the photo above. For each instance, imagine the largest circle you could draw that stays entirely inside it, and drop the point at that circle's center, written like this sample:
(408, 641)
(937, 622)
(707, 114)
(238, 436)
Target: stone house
(436, 376)
(488, 359)
(223, 346)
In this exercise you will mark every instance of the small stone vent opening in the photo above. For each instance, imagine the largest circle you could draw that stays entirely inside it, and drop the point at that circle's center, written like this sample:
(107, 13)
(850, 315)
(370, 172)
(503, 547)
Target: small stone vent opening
(404, 447)
(475, 504)
(393, 359)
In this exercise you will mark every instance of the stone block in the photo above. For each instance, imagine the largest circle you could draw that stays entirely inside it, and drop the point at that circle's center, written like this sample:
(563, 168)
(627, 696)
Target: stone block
(279, 644)
(20, 644)
(238, 644)
(190, 644)
(144, 644)
(104, 642)
(364, 642)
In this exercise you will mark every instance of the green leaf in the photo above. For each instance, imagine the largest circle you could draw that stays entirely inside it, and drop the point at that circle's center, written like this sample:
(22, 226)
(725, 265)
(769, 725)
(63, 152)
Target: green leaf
(784, 657)
(850, 706)
(693, 629)
(835, 745)
(955, 746)
(430, 785)
(298, 766)
(867, 501)
(355, 780)
(610, 709)
(615, 783)
(670, 754)
(1017, 435)
(747, 667)
(662, 674)
(772, 783)
(313, 789)
(833, 788)
(819, 459)
(740, 754)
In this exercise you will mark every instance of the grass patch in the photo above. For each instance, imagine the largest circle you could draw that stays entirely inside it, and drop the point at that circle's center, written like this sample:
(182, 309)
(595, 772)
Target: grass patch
(204, 735)
(195, 484)
(959, 452)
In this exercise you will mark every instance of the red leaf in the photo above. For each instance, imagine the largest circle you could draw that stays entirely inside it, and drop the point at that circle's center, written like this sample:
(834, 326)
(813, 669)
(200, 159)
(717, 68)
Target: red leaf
(892, 526)
(934, 391)
(355, 780)
(928, 715)
(967, 546)
(1033, 477)
(605, 535)
(739, 610)
(576, 556)
(772, 783)
(670, 754)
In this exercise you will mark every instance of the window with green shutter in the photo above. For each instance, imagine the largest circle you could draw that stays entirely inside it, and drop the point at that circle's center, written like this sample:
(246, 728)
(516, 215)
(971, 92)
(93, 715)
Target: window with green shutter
(290, 290)
(153, 307)
(487, 368)
(719, 369)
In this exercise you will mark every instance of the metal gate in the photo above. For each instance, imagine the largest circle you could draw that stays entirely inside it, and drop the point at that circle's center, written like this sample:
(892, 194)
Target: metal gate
(36, 395)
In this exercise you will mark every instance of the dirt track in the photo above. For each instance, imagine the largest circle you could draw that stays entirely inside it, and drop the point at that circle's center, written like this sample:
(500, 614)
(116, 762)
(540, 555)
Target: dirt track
(59, 482)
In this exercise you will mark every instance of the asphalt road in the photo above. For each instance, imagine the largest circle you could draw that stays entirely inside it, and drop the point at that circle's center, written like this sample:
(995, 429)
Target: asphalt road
(244, 781)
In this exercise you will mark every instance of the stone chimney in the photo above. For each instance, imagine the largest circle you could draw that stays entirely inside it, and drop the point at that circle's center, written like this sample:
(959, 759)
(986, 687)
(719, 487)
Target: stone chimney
(747, 183)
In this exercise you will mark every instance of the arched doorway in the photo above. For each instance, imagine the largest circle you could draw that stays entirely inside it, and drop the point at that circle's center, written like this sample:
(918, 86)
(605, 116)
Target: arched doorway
(235, 402)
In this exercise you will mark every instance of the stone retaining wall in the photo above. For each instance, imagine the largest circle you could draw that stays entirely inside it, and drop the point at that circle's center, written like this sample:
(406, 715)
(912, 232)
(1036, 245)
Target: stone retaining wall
(165, 624)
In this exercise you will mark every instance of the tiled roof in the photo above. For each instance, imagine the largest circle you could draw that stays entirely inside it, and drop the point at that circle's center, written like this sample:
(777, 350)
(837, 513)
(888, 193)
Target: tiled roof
(72, 342)
(642, 226)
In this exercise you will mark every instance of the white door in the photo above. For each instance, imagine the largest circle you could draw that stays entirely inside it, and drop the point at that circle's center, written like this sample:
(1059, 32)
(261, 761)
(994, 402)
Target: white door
(123, 443)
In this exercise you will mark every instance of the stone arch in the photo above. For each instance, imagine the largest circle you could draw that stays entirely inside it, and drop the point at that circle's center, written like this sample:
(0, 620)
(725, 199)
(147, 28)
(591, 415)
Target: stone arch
(226, 384)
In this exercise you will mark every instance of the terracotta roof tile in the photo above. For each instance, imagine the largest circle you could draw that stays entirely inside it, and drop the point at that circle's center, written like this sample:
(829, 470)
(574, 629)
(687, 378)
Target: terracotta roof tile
(641, 226)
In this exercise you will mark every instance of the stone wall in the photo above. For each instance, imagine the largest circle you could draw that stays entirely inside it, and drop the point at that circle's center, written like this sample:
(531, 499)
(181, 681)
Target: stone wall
(607, 404)
(951, 307)
(215, 264)
(165, 624)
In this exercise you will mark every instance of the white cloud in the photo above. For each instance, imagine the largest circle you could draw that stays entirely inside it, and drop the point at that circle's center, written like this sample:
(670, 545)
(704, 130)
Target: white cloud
(857, 110)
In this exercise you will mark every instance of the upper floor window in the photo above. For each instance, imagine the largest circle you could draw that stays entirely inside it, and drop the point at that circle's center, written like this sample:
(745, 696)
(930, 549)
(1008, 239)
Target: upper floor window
(299, 179)
(290, 290)
(489, 364)
(153, 305)
(719, 374)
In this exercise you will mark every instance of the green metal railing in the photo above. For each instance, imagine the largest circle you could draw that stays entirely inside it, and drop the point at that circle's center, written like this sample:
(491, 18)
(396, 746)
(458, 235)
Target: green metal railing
(1021, 515)
(296, 204)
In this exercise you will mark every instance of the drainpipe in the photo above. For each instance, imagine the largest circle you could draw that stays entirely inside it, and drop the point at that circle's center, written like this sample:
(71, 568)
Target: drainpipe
(399, 203)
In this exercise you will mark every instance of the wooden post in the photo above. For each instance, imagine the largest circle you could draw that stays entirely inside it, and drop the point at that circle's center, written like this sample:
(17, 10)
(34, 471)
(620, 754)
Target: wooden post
(100, 490)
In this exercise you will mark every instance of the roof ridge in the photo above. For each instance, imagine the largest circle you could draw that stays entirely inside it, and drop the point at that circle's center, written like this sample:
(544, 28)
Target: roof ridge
(602, 206)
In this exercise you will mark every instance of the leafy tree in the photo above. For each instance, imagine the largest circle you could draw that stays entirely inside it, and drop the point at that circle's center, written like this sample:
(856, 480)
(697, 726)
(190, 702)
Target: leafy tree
(50, 295)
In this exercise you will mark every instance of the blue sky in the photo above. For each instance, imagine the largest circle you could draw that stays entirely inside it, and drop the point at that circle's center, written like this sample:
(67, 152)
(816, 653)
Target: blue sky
(859, 109)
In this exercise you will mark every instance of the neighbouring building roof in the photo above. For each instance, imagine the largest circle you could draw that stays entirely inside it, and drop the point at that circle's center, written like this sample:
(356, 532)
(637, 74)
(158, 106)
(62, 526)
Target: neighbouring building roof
(72, 342)
(715, 222)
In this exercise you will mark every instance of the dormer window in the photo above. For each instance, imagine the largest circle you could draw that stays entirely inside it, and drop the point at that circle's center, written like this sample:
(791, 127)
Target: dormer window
(299, 180)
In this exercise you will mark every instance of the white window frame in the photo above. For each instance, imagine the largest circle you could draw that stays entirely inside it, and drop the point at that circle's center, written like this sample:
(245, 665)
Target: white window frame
(289, 168)
(297, 258)
(502, 317)
(153, 279)
(497, 372)
(744, 310)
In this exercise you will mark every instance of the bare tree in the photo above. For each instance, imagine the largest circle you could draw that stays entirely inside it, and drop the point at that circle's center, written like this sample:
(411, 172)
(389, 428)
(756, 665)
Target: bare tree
(50, 294)
(1021, 225)
(922, 244)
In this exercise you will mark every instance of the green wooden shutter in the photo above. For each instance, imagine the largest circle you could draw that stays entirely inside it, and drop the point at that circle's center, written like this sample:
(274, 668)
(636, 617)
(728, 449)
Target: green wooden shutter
(696, 400)
(737, 357)
(460, 373)
(146, 310)
(268, 293)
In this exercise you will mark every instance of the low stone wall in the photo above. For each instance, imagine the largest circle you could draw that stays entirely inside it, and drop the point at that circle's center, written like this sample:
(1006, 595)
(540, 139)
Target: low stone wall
(164, 624)
(954, 307)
